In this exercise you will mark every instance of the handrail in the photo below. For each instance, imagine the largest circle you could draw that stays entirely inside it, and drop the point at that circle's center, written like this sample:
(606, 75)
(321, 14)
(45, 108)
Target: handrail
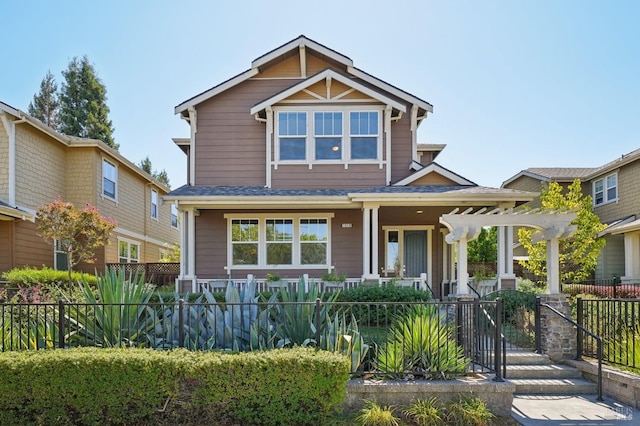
(474, 290)
(503, 340)
(584, 330)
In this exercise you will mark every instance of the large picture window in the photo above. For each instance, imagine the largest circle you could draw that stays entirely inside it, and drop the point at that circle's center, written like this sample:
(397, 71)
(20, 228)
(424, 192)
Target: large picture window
(292, 134)
(605, 190)
(109, 179)
(267, 241)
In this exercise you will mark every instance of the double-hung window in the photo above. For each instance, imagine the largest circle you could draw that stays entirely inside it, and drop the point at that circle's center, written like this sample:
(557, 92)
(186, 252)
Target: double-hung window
(364, 135)
(292, 135)
(109, 179)
(605, 190)
(61, 257)
(154, 204)
(295, 241)
(174, 216)
(128, 252)
(327, 131)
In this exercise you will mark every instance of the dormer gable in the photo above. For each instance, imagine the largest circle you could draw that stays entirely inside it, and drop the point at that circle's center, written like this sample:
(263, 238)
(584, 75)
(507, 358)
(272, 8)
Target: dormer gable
(434, 174)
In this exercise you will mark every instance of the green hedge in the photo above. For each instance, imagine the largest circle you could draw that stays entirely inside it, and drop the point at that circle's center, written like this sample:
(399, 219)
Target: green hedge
(29, 276)
(136, 386)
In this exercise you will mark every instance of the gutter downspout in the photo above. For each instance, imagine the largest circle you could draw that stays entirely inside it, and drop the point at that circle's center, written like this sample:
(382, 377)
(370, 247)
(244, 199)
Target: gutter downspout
(192, 119)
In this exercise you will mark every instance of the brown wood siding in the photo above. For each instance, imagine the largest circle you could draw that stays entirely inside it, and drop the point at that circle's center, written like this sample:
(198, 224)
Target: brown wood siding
(328, 176)
(433, 179)
(316, 64)
(628, 202)
(6, 245)
(230, 143)
(211, 246)
(30, 249)
(401, 154)
(289, 68)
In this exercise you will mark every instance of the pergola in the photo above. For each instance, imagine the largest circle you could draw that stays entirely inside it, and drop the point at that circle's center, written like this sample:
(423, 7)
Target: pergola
(551, 226)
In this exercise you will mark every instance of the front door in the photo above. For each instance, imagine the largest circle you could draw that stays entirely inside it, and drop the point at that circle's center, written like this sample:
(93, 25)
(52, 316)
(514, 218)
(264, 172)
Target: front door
(415, 252)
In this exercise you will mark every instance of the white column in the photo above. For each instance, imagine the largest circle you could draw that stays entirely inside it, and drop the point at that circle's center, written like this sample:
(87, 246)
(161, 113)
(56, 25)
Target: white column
(374, 272)
(505, 254)
(191, 258)
(509, 259)
(184, 243)
(366, 242)
(553, 266)
(631, 254)
(463, 276)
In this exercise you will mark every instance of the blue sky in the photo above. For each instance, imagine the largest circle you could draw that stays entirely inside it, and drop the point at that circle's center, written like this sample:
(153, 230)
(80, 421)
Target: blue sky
(514, 84)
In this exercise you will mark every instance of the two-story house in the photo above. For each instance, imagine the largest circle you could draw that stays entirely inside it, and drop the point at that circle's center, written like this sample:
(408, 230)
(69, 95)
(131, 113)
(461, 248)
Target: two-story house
(38, 164)
(616, 201)
(304, 163)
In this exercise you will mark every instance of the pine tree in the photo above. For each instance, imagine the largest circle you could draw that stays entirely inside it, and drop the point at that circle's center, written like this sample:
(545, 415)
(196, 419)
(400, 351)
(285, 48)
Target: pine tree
(83, 103)
(45, 104)
(161, 176)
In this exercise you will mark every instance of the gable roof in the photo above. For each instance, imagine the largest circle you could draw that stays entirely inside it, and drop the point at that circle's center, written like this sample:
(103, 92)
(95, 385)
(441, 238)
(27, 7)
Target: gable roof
(434, 167)
(297, 43)
(74, 141)
(557, 174)
(322, 75)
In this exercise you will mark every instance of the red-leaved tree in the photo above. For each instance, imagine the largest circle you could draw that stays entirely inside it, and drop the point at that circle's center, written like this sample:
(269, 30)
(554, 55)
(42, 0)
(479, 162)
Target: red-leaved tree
(79, 232)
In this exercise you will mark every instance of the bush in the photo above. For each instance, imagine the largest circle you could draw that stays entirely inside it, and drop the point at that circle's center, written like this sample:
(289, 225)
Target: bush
(469, 411)
(141, 386)
(28, 277)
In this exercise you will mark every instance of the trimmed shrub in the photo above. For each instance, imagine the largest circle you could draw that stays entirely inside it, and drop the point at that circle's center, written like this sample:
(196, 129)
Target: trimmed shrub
(29, 276)
(141, 386)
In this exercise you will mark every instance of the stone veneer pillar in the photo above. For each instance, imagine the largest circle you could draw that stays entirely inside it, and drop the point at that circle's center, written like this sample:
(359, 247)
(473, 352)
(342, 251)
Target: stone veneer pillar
(558, 336)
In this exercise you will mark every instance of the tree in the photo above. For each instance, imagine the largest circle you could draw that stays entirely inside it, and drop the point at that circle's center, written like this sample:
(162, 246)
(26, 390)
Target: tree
(161, 176)
(172, 256)
(83, 103)
(45, 104)
(79, 232)
(579, 254)
(484, 248)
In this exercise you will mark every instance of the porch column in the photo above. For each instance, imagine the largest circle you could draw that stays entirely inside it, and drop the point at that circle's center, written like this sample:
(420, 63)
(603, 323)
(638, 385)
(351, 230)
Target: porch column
(506, 276)
(631, 253)
(463, 275)
(374, 244)
(366, 242)
(553, 266)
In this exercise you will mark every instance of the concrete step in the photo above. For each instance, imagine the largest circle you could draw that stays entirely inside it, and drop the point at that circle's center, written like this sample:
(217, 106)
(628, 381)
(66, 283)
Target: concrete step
(526, 358)
(554, 386)
(542, 371)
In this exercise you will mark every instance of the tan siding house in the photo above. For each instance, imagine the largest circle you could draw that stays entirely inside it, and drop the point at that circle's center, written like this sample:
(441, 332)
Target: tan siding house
(616, 200)
(304, 164)
(39, 165)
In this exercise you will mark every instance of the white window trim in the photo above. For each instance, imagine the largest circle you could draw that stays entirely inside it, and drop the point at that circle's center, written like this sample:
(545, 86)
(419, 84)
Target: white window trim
(115, 166)
(129, 244)
(151, 204)
(262, 237)
(173, 206)
(605, 199)
(346, 134)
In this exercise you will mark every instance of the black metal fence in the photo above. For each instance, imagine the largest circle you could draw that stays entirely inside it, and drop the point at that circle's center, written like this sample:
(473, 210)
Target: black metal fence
(431, 339)
(617, 322)
(611, 288)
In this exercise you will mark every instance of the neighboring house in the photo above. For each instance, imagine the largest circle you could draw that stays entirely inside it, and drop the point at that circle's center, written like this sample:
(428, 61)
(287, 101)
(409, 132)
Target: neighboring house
(38, 164)
(616, 200)
(305, 163)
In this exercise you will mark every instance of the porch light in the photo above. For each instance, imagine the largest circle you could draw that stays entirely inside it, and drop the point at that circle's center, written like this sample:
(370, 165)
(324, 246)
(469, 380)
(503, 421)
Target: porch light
(335, 148)
(419, 211)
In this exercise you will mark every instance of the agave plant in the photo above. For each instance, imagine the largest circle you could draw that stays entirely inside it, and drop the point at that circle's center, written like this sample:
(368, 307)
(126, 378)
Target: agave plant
(116, 314)
(421, 343)
(343, 336)
(238, 324)
(36, 333)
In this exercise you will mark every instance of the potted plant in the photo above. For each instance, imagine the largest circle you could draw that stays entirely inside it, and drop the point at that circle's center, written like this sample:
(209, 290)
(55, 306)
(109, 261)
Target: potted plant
(333, 278)
(274, 281)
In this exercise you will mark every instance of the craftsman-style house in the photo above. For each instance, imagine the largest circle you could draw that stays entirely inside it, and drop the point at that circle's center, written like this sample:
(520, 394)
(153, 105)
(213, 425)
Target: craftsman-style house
(305, 164)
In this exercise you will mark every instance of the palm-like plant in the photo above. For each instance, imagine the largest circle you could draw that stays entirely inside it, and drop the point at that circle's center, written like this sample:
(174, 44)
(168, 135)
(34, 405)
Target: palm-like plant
(116, 314)
(421, 343)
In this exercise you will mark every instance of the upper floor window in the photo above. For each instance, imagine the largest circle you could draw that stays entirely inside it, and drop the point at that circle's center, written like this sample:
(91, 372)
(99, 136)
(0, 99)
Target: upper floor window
(174, 216)
(128, 252)
(154, 204)
(109, 179)
(346, 135)
(292, 133)
(364, 135)
(605, 190)
(327, 131)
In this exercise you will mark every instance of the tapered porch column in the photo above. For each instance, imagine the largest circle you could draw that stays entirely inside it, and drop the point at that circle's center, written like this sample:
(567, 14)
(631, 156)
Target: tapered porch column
(463, 275)
(631, 253)
(187, 250)
(505, 257)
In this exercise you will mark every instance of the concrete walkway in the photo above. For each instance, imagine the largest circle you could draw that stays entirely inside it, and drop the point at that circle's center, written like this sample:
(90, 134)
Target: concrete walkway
(569, 410)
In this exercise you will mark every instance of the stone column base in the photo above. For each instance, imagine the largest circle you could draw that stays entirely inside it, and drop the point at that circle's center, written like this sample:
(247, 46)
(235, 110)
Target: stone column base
(559, 336)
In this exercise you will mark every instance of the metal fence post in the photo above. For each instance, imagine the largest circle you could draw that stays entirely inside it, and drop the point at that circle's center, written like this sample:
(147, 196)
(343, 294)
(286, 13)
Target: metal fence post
(318, 323)
(538, 330)
(181, 323)
(580, 320)
(61, 324)
(497, 342)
